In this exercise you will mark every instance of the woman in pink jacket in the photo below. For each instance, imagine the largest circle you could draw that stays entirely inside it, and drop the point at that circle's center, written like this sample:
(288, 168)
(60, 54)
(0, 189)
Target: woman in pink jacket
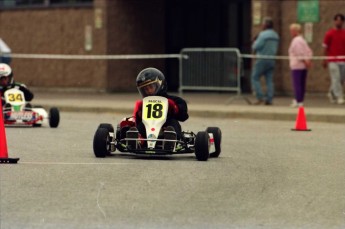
(299, 55)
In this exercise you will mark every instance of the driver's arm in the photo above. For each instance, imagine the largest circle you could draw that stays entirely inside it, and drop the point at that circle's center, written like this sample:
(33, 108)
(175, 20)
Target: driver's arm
(182, 114)
(27, 93)
(137, 110)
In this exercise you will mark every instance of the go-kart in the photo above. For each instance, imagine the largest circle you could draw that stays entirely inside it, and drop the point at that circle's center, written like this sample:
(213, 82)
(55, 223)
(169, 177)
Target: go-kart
(17, 112)
(155, 109)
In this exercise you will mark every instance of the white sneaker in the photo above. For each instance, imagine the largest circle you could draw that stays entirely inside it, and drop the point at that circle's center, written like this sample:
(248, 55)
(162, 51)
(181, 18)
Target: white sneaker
(340, 101)
(294, 103)
(331, 97)
(300, 104)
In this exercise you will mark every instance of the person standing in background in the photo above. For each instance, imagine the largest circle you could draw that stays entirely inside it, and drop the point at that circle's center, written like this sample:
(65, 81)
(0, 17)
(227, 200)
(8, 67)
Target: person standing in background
(265, 44)
(299, 55)
(5, 52)
(334, 45)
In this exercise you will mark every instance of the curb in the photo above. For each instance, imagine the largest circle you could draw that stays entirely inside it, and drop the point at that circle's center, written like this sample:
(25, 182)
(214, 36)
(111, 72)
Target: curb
(228, 114)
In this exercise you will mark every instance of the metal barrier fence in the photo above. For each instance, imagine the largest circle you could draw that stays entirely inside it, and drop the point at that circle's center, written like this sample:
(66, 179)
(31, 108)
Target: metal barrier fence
(210, 69)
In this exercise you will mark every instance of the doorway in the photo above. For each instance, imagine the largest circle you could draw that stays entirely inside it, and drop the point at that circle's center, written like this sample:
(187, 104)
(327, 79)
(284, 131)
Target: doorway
(205, 23)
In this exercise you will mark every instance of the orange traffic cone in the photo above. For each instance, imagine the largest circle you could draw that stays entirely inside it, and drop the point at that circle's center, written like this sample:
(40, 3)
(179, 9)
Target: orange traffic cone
(3, 144)
(301, 121)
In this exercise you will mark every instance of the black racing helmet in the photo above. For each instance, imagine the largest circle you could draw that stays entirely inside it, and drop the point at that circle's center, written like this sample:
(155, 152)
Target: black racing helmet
(150, 82)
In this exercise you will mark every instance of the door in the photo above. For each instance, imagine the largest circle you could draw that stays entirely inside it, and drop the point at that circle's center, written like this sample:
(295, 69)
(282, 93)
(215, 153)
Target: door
(205, 23)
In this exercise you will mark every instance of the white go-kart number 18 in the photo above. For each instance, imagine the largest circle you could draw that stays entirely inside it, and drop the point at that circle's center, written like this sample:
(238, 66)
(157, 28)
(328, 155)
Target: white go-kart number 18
(155, 111)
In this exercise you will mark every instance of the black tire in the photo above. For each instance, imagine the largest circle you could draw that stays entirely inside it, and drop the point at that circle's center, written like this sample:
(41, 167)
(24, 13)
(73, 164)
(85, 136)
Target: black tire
(54, 117)
(217, 136)
(202, 146)
(101, 142)
(107, 126)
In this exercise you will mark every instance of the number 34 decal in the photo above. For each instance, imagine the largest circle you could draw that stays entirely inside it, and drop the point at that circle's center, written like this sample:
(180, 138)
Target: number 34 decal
(15, 97)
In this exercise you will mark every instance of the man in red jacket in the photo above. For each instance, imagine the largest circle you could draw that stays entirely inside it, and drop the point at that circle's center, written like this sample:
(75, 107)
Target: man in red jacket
(334, 45)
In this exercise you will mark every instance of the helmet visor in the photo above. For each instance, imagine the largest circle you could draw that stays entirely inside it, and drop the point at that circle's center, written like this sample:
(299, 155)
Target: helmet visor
(4, 80)
(149, 88)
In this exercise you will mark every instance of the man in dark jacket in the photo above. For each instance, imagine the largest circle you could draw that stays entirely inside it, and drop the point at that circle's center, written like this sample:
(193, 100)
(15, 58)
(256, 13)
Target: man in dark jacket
(151, 82)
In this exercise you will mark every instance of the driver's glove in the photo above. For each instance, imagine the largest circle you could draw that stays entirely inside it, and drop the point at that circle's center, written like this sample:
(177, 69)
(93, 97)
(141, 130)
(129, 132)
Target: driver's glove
(138, 109)
(173, 108)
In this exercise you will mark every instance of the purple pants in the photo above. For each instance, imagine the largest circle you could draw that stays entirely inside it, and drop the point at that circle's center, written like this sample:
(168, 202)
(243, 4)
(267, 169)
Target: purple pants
(299, 79)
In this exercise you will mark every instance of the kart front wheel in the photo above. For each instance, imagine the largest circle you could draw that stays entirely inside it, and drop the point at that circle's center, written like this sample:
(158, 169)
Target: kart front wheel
(54, 117)
(217, 136)
(101, 142)
(202, 146)
(107, 126)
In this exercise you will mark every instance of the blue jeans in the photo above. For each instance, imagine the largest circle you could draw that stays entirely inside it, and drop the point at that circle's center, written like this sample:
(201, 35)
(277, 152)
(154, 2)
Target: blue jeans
(5, 59)
(263, 68)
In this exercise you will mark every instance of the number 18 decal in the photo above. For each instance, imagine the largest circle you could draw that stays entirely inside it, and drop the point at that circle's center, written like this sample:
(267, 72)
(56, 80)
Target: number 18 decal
(154, 111)
(155, 108)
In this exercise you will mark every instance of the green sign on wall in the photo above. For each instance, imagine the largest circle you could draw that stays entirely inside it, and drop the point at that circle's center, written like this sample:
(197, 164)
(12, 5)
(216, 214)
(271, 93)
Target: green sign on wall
(308, 11)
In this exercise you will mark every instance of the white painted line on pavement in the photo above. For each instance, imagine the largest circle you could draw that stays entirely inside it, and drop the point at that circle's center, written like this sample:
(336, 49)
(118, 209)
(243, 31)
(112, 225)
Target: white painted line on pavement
(70, 163)
(98, 195)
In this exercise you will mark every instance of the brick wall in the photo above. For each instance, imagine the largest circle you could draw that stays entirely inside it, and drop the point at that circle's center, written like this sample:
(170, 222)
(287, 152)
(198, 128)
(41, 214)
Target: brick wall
(129, 27)
(134, 27)
(54, 31)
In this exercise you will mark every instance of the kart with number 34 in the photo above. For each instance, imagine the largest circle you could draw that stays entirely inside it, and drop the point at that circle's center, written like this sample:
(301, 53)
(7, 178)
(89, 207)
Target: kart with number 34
(17, 112)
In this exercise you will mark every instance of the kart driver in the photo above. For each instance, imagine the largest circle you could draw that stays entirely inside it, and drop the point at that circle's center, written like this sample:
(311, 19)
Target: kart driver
(151, 82)
(7, 82)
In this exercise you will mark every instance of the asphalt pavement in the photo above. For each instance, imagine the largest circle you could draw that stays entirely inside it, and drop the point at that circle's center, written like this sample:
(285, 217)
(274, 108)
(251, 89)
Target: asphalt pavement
(269, 178)
(201, 104)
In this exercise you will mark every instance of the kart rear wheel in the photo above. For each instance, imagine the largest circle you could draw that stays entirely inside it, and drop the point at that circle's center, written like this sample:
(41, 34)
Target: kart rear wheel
(101, 142)
(54, 117)
(217, 136)
(202, 146)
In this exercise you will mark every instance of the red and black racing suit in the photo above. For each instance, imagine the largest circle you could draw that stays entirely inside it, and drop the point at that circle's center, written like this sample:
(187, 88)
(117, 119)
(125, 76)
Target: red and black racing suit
(178, 111)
